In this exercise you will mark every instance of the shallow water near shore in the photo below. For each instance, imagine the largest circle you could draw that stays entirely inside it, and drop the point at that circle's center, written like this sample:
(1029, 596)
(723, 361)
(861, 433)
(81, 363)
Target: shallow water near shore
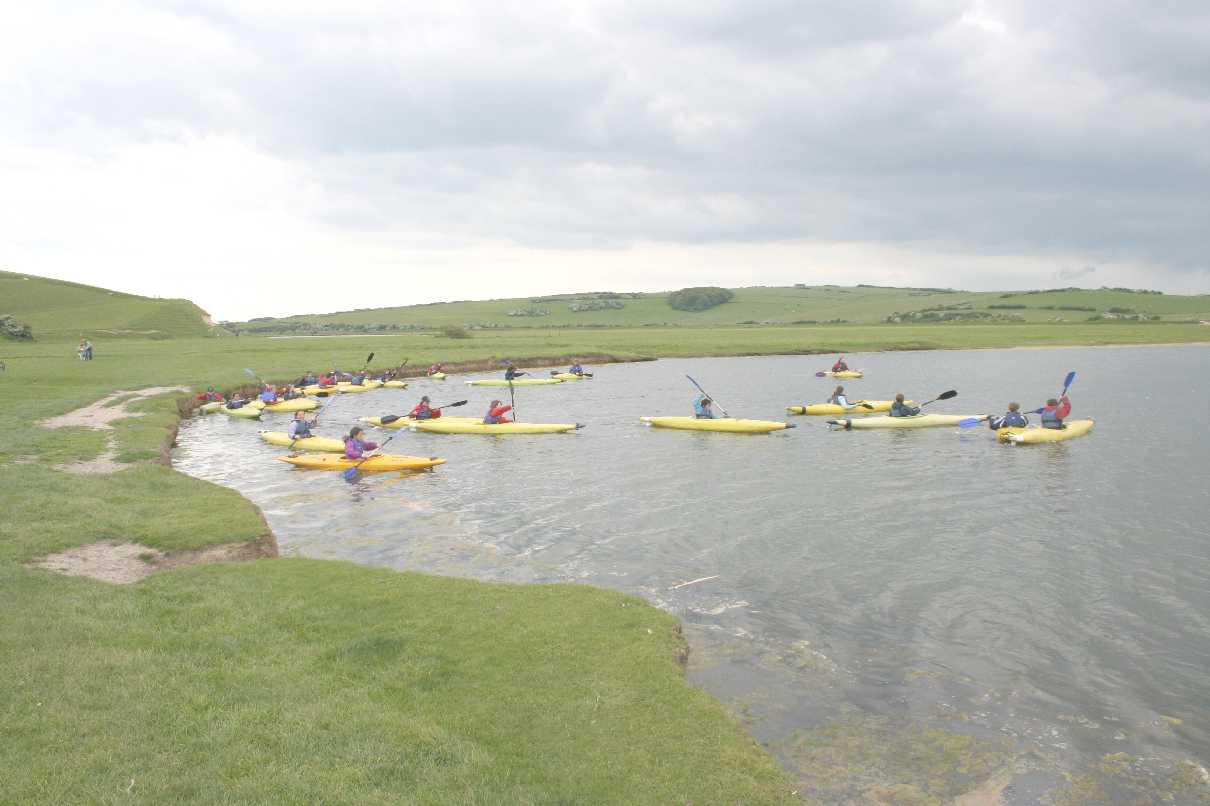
(901, 615)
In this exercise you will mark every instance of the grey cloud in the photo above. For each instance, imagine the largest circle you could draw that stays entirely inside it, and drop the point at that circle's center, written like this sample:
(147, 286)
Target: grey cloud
(990, 126)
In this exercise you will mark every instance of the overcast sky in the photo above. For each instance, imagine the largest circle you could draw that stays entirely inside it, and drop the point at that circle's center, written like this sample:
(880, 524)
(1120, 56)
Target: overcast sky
(266, 158)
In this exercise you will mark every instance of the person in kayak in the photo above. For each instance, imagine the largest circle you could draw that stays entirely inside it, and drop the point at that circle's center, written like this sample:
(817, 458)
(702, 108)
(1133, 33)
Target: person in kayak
(495, 413)
(1013, 418)
(300, 427)
(576, 369)
(901, 409)
(356, 447)
(840, 365)
(267, 394)
(701, 408)
(1053, 413)
(357, 380)
(434, 369)
(308, 380)
(424, 411)
(512, 373)
(839, 398)
(210, 396)
(237, 401)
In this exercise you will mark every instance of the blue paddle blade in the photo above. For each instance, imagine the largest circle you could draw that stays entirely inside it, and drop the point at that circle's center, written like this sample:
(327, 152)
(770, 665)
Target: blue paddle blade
(969, 421)
(350, 474)
(250, 372)
(1071, 376)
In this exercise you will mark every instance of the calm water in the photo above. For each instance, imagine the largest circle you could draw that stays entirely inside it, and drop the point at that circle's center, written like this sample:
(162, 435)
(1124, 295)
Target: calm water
(1039, 610)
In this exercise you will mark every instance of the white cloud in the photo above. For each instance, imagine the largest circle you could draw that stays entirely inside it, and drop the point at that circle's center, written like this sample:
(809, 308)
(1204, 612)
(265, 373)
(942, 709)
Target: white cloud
(275, 157)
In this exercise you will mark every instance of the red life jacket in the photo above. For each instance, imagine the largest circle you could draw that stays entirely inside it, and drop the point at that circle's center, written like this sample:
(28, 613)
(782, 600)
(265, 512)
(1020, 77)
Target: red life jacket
(496, 415)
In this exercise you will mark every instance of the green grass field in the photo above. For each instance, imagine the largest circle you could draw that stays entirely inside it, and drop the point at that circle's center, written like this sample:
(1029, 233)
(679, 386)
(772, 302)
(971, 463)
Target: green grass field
(59, 310)
(818, 304)
(292, 680)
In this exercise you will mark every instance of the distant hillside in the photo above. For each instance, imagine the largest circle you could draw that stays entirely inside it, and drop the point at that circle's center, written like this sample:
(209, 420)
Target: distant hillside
(56, 309)
(759, 305)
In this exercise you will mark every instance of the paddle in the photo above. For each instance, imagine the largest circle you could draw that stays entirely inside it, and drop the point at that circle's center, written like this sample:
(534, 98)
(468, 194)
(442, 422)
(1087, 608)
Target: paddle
(708, 395)
(512, 400)
(351, 473)
(390, 418)
(578, 374)
(943, 396)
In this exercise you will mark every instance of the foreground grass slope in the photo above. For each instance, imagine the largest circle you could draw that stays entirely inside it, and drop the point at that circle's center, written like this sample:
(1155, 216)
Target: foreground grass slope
(816, 304)
(57, 309)
(308, 681)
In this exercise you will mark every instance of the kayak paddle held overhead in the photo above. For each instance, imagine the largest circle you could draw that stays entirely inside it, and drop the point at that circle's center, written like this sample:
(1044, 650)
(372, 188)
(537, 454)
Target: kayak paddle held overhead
(708, 396)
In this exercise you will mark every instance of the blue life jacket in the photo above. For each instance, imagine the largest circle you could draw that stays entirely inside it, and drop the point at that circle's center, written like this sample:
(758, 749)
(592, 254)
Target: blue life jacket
(1050, 419)
(576, 370)
(1013, 419)
(490, 420)
(700, 410)
(840, 400)
(903, 410)
(299, 429)
(268, 396)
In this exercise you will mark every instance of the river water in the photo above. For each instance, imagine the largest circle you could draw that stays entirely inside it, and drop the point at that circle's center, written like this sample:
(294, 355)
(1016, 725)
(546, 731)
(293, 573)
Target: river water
(898, 615)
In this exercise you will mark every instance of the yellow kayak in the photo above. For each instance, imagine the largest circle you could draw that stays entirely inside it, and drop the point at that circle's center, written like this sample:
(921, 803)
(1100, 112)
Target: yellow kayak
(346, 388)
(874, 406)
(444, 426)
(379, 463)
(395, 384)
(916, 421)
(847, 373)
(326, 444)
(297, 404)
(246, 411)
(210, 408)
(517, 382)
(569, 376)
(1034, 434)
(404, 422)
(728, 424)
(322, 391)
(437, 376)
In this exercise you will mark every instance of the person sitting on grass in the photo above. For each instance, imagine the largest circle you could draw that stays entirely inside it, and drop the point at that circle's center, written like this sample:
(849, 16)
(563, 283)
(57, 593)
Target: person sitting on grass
(495, 413)
(1053, 413)
(840, 365)
(300, 428)
(1013, 418)
(839, 398)
(356, 447)
(424, 411)
(701, 408)
(901, 409)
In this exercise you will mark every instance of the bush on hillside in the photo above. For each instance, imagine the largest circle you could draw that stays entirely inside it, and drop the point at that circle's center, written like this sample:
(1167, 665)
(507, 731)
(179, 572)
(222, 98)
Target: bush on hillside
(701, 298)
(454, 332)
(595, 305)
(12, 329)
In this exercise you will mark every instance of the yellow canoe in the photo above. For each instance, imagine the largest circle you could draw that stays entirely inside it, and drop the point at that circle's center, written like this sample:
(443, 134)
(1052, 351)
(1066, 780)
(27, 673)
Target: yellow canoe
(1032, 435)
(297, 404)
(246, 411)
(516, 382)
(444, 426)
(569, 376)
(404, 422)
(727, 424)
(870, 407)
(916, 421)
(325, 444)
(395, 384)
(348, 388)
(848, 373)
(379, 463)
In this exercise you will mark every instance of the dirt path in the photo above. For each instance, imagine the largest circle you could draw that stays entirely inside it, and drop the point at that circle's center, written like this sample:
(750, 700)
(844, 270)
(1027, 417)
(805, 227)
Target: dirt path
(101, 415)
(122, 563)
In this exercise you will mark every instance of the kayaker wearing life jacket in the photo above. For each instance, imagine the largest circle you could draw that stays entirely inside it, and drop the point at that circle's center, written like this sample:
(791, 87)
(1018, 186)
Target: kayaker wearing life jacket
(576, 369)
(299, 427)
(424, 411)
(237, 401)
(901, 409)
(308, 380)
(512, 372)
(701, 408)
(1054, 411)
(358, 379)
(267, 395)
(356, 447)
(840, 365)
(209, 396)
(433, 370)
(1013, 418)
(840, 399)
(495, 413)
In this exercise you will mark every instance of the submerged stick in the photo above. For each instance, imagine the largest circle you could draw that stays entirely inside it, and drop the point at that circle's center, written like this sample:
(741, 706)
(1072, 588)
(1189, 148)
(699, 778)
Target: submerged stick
(693, 582)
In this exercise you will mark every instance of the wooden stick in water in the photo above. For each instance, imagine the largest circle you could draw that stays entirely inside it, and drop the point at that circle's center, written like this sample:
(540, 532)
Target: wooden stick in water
(693, 582)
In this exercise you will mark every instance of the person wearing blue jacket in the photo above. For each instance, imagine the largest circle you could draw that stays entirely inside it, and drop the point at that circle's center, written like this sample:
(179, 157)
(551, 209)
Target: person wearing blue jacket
(1013, 418)
(901, 409)
(701, 408)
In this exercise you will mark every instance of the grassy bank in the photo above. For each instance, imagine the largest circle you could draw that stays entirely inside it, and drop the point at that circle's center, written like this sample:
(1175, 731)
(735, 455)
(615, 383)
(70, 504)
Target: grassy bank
(291, 680)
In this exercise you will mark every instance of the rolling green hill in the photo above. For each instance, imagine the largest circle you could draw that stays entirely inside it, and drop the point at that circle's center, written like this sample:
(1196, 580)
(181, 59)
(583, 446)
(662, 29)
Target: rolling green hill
(58, 310)
(761, 305)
